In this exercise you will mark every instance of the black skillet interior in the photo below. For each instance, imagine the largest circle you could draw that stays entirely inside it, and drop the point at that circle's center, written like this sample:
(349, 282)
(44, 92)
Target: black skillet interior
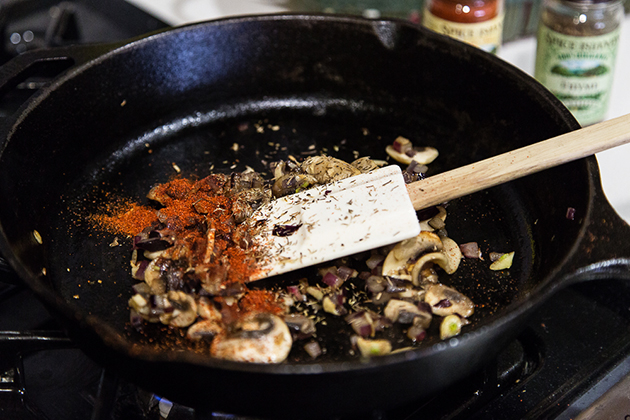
(279, 86)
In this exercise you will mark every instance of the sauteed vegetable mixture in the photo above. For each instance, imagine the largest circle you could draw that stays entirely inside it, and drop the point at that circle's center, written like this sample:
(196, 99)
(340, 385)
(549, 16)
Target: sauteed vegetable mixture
(195, 254)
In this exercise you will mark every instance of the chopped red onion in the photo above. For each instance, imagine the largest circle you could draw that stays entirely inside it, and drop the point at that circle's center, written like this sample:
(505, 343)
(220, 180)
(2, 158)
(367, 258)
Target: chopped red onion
(295, 291)
(332, 280)
(470, 250)
(361, 323)
(570, 213)
(402, 145)
(300, 326)
(345, 272)
(416, 333)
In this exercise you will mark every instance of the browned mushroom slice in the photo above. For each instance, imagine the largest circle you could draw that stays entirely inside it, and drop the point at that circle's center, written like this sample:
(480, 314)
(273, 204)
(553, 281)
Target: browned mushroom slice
(448, 259)
(403, 312)
(184, 309)
(446, 301)
(365, 164)
(404, 253)
(328, 169)
(257, 338)
(205, 328)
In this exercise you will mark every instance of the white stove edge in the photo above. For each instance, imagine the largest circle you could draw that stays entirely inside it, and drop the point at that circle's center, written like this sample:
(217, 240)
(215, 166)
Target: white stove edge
(614, 164)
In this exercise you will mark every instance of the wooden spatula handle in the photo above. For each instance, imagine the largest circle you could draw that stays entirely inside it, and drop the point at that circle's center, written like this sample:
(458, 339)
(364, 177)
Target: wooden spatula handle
(518, 163)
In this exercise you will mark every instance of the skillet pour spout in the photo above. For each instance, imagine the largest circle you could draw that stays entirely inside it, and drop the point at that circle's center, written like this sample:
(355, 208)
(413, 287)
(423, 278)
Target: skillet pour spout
(119, 118)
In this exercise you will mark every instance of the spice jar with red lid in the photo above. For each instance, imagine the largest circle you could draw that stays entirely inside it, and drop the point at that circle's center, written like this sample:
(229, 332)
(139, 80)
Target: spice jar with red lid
(477, 22)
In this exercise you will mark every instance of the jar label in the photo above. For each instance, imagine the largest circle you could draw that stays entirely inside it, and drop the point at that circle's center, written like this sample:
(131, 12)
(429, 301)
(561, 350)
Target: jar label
(578, 70)
(485, 35)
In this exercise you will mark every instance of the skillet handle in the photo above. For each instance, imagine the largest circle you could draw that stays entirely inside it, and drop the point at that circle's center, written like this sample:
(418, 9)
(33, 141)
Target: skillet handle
(603, 250)
(44, 65)
(34, 70)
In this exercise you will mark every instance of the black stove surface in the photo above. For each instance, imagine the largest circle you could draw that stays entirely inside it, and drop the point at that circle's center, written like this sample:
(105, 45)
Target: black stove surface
(575, 347)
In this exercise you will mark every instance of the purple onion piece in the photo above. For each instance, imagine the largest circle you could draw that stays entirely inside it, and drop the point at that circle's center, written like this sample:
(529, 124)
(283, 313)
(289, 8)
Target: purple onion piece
(295, 291)
(416, 333)
(570, 213)
(345, 272)
(361, 323)
(301, 327)
(332, 280)
(142, 268)
(470, 250)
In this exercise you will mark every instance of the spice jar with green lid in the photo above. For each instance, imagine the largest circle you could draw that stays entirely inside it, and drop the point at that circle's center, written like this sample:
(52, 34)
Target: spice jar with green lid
(576, 52)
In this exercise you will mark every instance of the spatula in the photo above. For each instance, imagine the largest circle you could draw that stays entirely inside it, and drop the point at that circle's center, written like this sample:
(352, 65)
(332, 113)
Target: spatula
(377, 209)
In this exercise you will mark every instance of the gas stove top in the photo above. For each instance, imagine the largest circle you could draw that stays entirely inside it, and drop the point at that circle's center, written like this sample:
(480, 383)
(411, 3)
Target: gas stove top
(574, 351)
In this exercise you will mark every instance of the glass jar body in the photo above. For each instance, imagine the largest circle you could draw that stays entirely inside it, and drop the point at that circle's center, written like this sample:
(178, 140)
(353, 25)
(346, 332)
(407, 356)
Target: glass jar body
(477, 22)
(576, 53)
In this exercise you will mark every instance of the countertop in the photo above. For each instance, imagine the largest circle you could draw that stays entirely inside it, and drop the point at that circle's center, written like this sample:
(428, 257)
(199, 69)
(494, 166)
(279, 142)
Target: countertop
(614, 164)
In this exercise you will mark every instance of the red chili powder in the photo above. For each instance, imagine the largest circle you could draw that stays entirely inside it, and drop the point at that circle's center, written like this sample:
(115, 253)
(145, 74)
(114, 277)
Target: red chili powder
(260, 301)
(189, 210)
(125, 218)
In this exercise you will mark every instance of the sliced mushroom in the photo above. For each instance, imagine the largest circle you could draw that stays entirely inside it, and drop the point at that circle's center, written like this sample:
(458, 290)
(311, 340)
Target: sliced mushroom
(204, 328)
(446, 301)
(448, 259)
(256, 338)
(365, 164)
(401, 311)
(292, 183)
(328, 169)
(398, 259)
(184, 309)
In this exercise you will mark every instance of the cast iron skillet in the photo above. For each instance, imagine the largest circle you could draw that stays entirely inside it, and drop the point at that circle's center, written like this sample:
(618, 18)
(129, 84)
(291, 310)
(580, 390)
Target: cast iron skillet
(120, 116)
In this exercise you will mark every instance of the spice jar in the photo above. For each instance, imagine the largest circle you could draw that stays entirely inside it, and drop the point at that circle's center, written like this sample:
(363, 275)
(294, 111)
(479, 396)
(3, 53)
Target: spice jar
(477, 22)
(576, 52)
